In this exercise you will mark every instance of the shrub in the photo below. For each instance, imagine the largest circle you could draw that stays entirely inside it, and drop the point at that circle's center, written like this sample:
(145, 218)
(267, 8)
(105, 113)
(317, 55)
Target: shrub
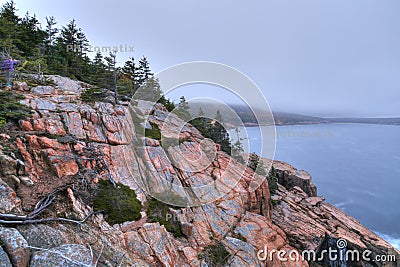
(213, 130)
(272, 181)
(91, 95)
(215, 255)
(158, 211)
(256, 164)
(10, 108)
(154, 132)
(119, 203)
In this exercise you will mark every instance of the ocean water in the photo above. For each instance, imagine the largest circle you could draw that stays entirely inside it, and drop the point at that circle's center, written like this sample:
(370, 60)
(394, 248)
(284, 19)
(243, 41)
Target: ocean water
(355, 167)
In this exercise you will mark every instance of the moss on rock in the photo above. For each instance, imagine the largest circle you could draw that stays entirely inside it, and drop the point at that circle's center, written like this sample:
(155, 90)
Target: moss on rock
(119, 203)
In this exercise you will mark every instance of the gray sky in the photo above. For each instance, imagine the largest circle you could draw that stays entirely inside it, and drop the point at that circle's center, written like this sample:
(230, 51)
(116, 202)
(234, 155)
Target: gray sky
(316, 57)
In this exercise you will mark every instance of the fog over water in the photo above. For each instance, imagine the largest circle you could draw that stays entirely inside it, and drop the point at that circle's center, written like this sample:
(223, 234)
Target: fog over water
(354, 166)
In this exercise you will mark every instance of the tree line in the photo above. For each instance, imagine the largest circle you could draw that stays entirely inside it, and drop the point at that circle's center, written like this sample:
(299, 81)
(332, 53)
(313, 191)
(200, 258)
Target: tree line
(47, 50)
(63, 50)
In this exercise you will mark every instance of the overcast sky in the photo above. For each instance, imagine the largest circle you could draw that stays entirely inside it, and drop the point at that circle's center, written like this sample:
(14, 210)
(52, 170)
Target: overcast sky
(315, 57)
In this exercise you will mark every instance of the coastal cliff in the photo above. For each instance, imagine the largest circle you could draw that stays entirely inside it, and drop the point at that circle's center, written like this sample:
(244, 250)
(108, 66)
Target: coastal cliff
(66, 147)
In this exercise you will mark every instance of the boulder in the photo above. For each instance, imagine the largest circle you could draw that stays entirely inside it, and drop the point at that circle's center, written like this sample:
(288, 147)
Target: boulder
(63, 256)
(66, 84)
(8, 199)
(16, 246)
(42, 236)
(4, 260)
(44, 90)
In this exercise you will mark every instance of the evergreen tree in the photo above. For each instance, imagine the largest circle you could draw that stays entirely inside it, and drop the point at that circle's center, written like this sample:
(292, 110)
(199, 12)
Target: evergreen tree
(218, 116)
(72, 45)
(129, 74)
(9, 23)
(51, 30)
(183, 109)
(111, 61)
(237, 148)
(213, 129)
(143, 72)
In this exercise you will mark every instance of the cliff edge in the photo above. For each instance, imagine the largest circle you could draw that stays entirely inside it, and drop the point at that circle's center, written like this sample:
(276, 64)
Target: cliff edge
(61, 153)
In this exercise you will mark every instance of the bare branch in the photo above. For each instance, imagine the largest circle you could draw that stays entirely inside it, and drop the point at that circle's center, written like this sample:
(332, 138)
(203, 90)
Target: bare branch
(31, 221)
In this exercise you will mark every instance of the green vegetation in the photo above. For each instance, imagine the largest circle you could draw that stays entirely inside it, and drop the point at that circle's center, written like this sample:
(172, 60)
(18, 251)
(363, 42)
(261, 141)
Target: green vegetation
(215, 255)
(10, 108)
(214, 130)
(158, 211)
(182, 110)
(256, 164)
(94, 94)
(63, 50)
(154, 132)
(272, 180)
(119, 203)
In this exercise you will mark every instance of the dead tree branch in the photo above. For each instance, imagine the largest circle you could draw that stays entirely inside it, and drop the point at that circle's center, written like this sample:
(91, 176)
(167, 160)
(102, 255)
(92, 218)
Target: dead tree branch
(44, 203)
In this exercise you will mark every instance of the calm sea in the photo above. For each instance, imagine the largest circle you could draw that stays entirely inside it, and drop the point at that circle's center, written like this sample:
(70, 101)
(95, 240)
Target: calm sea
(355, 166)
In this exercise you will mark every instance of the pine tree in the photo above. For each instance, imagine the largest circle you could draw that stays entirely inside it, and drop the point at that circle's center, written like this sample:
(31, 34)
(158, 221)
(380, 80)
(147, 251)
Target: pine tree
(51, 30)
(8, 12)
(237, 148)
(183, 109)
(130, 72)
(143, 72)
(72, 45)
(218, 116)
(112, 68)
(9, 23)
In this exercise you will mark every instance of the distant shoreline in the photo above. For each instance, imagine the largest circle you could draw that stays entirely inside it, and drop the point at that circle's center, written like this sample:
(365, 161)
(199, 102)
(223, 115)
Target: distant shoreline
(318, 123)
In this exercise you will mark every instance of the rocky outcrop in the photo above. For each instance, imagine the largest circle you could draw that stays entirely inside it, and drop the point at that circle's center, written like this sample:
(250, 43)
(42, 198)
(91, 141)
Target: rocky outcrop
(307, 220)
(290, 177)
(66, 255)
(70, 144)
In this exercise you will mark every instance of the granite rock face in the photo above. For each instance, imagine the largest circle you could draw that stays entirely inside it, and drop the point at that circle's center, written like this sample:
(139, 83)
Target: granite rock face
(63, 256)
(16, 246)
(67, 141)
